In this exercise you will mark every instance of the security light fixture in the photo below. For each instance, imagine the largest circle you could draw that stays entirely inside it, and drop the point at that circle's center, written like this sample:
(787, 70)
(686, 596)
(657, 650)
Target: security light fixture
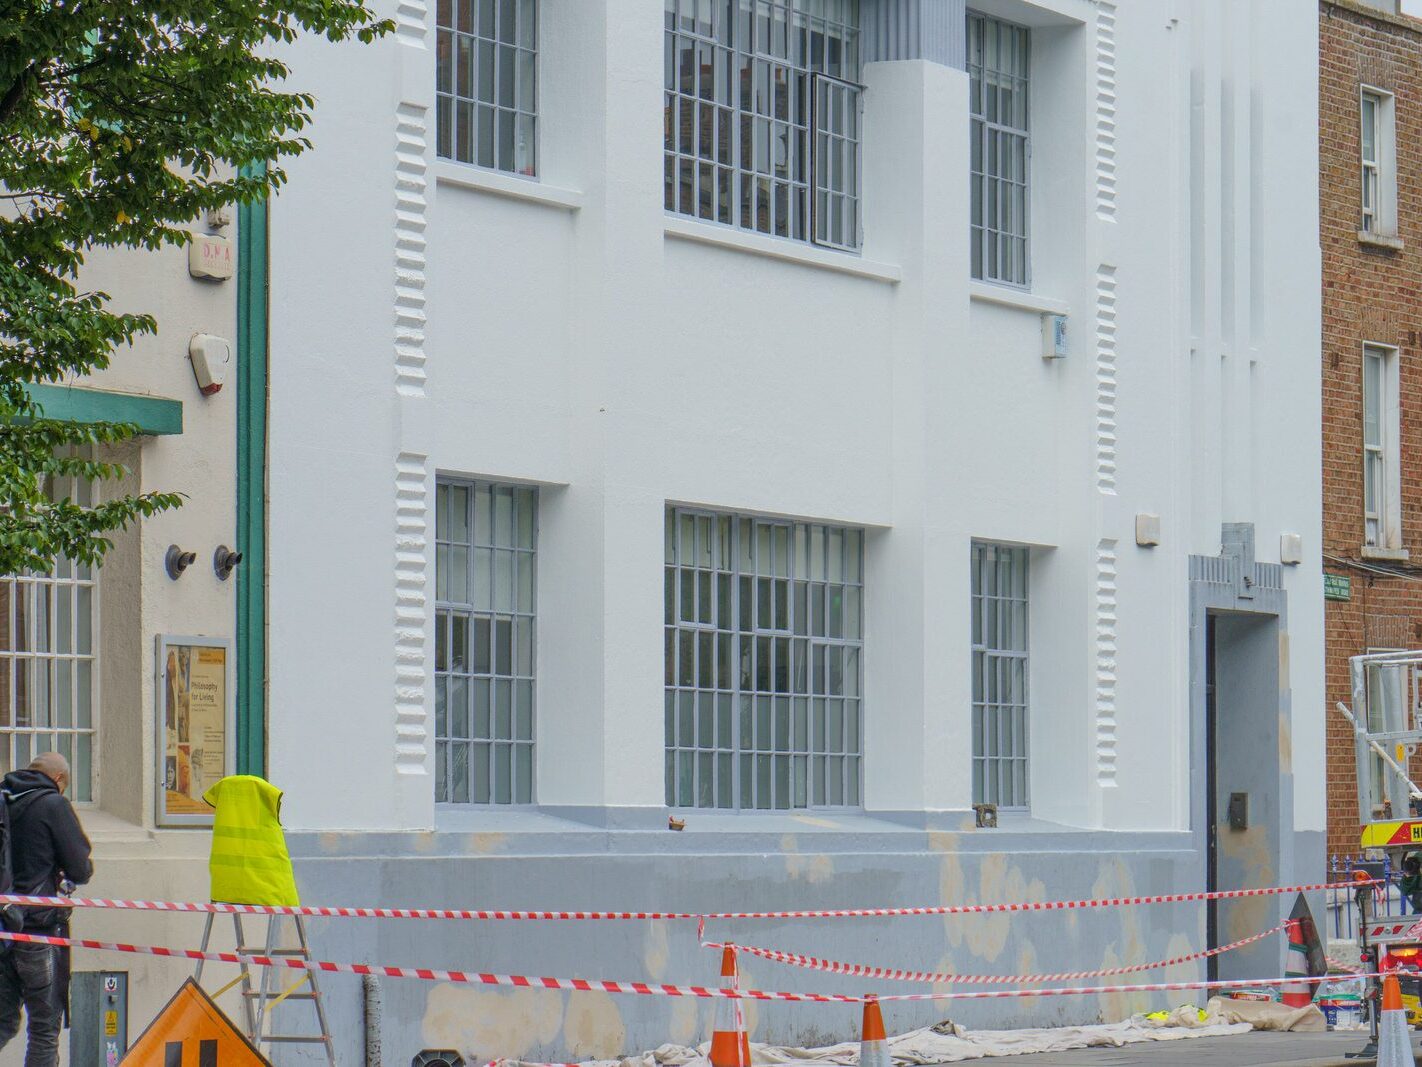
(223, 560)
(177, 560)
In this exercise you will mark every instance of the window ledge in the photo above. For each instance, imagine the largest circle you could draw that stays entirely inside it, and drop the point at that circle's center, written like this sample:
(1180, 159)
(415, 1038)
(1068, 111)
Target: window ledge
(1397, 555)
(1380, 240)
(1004, 296)
(464, 176)
(708, 233)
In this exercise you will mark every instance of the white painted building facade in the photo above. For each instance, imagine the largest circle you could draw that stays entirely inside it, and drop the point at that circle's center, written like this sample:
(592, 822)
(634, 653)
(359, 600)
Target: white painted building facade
(591, 502)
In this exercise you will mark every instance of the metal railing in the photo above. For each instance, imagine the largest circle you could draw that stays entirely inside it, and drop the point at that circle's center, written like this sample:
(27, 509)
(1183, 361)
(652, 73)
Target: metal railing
(1343, 915)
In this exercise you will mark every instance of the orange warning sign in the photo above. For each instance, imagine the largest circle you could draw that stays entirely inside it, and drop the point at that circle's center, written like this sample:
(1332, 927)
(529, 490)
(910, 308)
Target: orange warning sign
(192, 1031)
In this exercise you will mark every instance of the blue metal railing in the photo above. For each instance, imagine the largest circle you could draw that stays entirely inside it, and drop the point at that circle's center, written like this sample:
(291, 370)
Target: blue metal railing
(1343, 914)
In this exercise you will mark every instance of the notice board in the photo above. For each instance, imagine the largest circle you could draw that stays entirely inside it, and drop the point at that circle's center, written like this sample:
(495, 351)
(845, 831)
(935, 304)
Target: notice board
(195, 724)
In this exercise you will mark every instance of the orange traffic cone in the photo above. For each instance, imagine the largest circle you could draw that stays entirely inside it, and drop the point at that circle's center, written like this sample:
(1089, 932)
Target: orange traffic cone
(1394, 1045)
(1296, 993)
(730, 1045)
(873, 1045)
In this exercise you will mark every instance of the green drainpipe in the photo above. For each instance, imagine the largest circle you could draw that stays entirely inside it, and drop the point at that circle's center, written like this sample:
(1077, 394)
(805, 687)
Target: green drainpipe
(252, 486)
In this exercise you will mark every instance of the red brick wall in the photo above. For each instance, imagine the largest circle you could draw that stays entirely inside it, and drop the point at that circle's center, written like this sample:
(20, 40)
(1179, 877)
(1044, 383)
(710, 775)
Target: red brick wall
(1368, 295)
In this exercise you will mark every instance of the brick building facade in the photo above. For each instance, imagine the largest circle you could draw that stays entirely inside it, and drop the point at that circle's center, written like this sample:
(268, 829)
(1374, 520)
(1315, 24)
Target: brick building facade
(1370, 220)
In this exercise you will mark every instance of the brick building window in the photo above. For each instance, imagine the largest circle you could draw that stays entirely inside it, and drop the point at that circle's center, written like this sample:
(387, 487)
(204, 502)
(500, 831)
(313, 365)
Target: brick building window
(1382, 484)
(1378, 163)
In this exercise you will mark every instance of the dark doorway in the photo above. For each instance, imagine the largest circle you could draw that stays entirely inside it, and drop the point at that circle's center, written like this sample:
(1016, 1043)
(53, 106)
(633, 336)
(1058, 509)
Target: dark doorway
(1212, 874)
(1242, 787)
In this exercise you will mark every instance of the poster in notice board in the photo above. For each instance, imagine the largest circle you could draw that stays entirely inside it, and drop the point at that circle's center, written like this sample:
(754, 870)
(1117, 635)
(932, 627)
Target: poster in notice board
(195, 710)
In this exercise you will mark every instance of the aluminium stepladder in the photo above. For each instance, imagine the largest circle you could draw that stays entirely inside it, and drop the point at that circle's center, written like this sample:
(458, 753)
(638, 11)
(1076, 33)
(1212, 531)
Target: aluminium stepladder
(258, 1004)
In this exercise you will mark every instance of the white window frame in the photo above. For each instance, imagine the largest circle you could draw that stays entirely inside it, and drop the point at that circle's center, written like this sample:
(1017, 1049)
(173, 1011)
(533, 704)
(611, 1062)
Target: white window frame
(988, 136)
(486, 85)
(1000, 677)
(1385, 710)
(764, 657)
(506, 745)
(1378, 164)
(781, 88)
(1382, 515)
(47, 652)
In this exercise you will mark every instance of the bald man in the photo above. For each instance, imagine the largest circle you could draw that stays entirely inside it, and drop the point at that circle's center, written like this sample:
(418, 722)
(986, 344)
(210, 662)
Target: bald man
(47, 846)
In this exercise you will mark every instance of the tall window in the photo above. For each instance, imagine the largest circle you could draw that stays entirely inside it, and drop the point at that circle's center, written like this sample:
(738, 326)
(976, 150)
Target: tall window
(1381, 484)
(1000, 706)
(1000, 151)
(1387, 691)
(764, 649)
(762, 116)
(48, 670)
(486, 83)
(485, 538)
(1378, 163)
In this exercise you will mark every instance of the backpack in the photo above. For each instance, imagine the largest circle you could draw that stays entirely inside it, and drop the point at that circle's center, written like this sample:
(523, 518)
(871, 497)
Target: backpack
(12, 916)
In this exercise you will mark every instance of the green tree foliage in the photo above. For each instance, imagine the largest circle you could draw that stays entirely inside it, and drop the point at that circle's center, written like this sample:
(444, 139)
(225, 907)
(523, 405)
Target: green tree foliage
(121, 122)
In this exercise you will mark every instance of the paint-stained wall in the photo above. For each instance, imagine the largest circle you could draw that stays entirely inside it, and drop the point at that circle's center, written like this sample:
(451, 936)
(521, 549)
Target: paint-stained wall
(569, 333)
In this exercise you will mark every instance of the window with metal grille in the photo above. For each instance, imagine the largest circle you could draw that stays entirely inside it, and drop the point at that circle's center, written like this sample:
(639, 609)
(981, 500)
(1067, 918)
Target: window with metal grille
(762, 116)
(486, 91)
(1000, 705)
(764, 661)
(1000, 150)
(485, 547)
(49, 630)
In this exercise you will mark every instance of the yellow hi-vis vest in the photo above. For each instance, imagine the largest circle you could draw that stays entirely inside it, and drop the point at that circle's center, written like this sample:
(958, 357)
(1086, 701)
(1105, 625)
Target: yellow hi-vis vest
(249, 862)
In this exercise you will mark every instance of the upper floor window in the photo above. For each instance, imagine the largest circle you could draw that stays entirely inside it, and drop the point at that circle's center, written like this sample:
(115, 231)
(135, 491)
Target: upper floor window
(762, 116)
(1378, 164)
(764, 647)
(1382, 486)
(999, 665)
(1000, 150)
(486, 83)
(485, 538)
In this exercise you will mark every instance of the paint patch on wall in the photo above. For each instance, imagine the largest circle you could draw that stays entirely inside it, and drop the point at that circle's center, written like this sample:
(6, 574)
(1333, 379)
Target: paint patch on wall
(592, 1027)
(942, 841)
(491, 1024)
(685, 1023)
(486, 844)
(1179, 945)
(656, 950)
(813, 869)
(986, 935)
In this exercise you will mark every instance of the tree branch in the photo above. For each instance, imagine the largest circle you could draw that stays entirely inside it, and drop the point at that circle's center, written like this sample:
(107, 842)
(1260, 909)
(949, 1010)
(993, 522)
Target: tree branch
(11, 99)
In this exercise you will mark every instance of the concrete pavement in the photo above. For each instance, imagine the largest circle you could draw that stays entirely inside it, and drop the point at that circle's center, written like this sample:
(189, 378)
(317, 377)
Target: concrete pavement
(1243, 1050)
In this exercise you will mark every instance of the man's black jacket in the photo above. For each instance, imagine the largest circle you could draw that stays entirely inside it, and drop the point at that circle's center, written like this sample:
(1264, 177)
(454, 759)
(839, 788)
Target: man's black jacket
(47, 843)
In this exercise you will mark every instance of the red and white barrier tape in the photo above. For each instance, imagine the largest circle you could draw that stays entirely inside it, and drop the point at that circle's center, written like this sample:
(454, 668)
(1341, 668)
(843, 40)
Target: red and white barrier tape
(595, 985)
(1339, 965)
(858, 970)
(843, 913)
